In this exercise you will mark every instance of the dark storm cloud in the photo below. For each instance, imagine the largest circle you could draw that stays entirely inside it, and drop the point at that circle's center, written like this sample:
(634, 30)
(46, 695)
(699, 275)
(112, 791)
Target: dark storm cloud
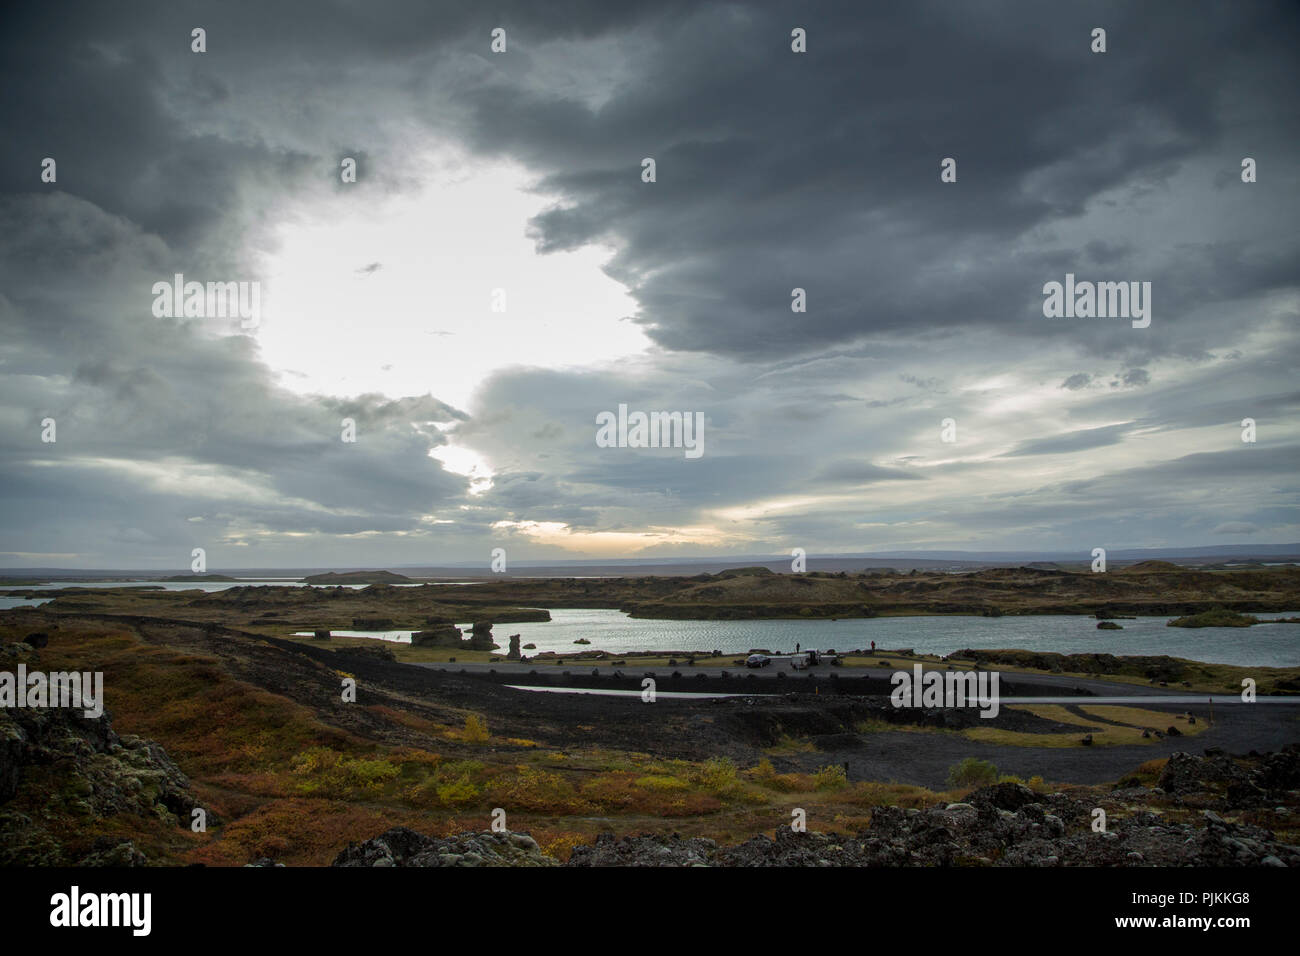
(116, 96)
(1242, 462)
(821, 171)
(775, 171)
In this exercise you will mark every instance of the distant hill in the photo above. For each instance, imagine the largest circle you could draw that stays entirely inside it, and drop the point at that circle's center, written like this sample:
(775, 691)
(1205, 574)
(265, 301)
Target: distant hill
(358, 577)
(1152, 567)
(1223, 557)
(198, 577)
(750, 572)
(1153, 588)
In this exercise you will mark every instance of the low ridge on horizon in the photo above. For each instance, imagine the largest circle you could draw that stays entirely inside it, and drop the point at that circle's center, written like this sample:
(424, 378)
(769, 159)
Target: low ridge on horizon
(836, 562)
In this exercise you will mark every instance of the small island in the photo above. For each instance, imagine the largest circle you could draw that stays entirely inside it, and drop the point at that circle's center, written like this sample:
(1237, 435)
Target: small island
(1217, 617)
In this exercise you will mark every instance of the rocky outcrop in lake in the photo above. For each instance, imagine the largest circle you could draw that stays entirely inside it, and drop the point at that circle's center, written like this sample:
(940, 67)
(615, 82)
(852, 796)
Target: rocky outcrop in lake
(440, 634)
(480, 637)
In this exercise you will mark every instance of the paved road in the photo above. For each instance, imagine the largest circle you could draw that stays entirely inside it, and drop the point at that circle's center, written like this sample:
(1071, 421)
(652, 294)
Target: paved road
(926, 760)
(633, 670)
(1189, 700)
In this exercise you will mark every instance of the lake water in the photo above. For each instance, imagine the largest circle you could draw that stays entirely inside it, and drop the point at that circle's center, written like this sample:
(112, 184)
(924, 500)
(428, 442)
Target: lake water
(9, 602)
(1268, 645)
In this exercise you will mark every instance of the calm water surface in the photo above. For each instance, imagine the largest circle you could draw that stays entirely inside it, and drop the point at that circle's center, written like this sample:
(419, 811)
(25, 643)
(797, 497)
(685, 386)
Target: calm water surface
(1268, 645)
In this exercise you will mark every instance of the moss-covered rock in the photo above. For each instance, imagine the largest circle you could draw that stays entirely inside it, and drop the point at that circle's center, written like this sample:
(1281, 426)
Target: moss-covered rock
(79, 767)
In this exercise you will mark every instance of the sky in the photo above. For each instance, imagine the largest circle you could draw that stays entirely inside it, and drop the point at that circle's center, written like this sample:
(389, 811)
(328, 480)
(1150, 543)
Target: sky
(435, 342)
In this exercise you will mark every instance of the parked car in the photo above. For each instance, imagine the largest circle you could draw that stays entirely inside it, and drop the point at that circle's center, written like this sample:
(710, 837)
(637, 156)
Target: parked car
(757, 660)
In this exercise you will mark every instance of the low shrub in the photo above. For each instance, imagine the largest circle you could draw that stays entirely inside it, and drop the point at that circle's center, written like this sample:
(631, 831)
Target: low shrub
(972, 772)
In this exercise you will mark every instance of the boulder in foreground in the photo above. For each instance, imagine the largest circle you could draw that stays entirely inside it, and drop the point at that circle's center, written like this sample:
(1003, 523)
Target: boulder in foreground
(401, 846)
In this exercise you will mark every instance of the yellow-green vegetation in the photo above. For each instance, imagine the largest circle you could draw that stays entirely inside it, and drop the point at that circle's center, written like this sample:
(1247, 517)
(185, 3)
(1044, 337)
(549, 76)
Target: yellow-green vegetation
(1035, 783)
(296, 783)
(662, 782)
(405, 653)
(1133, 721)
(454, 786)
(831, 777)
(1104, 731)
(876, 726)
(329, 771)
(476, 730)
(1144, 671)
(531, 789)
(788, 745)
(972, 772)
(889, 659)
(765, 775)
(280, 779)
(1146, 719)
